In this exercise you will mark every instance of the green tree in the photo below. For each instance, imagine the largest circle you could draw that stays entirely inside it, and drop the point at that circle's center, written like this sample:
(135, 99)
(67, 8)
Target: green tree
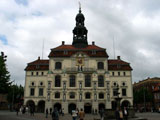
(17, 92)
(4, 74)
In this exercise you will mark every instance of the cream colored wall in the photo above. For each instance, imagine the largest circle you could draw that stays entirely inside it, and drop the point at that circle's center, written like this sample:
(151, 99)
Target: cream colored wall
(69, 63)
(120, 79)
(36, 79)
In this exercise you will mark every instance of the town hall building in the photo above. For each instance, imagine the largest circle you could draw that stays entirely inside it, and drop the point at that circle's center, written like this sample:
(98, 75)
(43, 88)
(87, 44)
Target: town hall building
(79, 75)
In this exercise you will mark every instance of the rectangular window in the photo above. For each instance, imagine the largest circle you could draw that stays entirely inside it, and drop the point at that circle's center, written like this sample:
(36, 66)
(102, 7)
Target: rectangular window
(119, 73)
(32, 73)
(36, 73)
(123, 92)
(114, 92)
(42, 73)
(32, 92)
(40, 91)
(112, 73)
(124, 73)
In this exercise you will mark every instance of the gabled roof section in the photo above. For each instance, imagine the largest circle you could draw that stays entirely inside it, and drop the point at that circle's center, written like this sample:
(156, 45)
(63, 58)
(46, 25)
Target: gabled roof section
(118, 64)
(69, 50)
(38, 65)
(71, 47)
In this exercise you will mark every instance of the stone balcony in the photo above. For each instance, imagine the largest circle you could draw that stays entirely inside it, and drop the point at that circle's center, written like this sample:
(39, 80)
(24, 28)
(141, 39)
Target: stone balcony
(82, 69)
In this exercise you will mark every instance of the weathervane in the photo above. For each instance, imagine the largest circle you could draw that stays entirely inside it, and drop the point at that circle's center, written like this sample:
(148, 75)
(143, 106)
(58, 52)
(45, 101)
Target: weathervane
(79, 7)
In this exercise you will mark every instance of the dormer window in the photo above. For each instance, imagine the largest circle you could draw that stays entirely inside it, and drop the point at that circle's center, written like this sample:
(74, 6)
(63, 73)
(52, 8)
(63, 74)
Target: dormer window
(93, 52)
(58, 65)
(37, 66)
(65, 52)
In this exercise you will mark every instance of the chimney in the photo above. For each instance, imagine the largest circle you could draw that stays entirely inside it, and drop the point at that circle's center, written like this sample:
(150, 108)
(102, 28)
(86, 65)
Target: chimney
(93, 43)
(38, 57)
(118, 57)
(63, 42)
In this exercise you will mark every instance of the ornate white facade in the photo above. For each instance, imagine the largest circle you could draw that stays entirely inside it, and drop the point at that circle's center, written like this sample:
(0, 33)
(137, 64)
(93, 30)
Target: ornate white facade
(77, 76)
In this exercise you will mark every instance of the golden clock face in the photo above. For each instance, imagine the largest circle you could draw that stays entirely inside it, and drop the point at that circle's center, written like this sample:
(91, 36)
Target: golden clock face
(79, 61)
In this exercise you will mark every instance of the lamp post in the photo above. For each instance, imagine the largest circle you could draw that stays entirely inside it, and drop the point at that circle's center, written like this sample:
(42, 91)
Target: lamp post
(118, 99)
(13, 95)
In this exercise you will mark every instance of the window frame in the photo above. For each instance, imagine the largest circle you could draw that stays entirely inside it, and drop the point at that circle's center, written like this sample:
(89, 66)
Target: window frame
(58, 65)
(100, 65)
(100, 84)
(57, 83)
(72, 81)
(87, 80)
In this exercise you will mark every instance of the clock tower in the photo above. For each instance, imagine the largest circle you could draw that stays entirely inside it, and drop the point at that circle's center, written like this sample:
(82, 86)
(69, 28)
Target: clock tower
(80, 32)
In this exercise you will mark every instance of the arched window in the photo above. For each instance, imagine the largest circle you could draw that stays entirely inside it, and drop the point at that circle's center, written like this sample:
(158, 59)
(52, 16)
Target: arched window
(88, 95)
(72, 82)
(57, 81)
(101, 95)
(87, 81)
(58, 65)
(100, 81)
(57, 95)
(72, 95)
(100, 65)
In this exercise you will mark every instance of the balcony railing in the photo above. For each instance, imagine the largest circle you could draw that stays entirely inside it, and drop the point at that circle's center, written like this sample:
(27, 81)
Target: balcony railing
(81, 69)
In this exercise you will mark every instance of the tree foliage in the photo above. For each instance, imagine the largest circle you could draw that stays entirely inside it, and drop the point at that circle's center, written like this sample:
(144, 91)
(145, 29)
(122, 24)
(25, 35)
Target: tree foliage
(4, 74)
(142, 95)
(15, 94)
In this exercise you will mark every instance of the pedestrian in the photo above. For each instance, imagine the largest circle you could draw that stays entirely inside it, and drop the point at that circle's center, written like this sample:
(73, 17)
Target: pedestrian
(63, 112)
(55, 115)
(125, 113)
(101, 113)
(121, 114)
(77, 111)
(47, 113)
(74, 115)
(50, 111)
(17, 110)
(117, 115)
(81, 114)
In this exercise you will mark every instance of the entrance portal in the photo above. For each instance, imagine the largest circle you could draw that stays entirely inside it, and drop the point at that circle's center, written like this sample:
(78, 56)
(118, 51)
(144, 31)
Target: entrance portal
(87, 108)
(58, 106)
(101, 106)
(41, 106)
(71, 107)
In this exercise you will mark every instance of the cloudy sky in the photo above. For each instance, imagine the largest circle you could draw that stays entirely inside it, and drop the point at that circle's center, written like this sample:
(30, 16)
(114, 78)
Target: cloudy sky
(133, 25)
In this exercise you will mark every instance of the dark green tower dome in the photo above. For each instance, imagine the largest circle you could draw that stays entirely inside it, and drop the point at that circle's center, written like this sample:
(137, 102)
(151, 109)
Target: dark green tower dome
(80, 32)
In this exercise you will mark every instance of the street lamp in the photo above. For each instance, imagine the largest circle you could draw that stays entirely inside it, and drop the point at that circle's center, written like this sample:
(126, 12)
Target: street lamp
(13, 95)
(118, 99)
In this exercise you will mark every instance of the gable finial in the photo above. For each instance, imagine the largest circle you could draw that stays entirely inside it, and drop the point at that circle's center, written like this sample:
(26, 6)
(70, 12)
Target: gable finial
(79, 7)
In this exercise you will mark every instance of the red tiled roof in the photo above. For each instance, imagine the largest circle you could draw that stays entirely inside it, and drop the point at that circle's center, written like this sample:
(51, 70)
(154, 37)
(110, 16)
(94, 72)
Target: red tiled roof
(118, 65)
(70, 49)
(38, 65)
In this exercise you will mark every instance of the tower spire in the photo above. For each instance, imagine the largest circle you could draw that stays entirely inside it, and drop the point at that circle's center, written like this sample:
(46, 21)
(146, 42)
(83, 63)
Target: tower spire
(80, 31)
(79, 7)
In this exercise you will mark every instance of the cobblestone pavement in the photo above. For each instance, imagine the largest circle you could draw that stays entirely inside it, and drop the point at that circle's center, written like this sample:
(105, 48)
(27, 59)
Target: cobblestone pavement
(6, 115)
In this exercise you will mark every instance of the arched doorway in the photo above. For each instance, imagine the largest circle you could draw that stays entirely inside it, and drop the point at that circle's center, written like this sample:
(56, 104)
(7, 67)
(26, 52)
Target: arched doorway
(114, 105)
(87, 108)
(57, 106)
(101, 106)
(31, 105)
(71, 107)
(125, 103)
(41, 106)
